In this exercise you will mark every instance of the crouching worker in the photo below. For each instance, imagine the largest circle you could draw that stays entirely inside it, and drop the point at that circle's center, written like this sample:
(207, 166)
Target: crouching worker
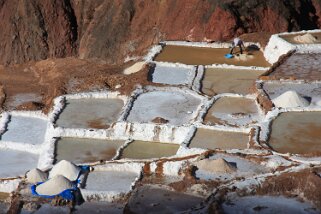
(237, 42)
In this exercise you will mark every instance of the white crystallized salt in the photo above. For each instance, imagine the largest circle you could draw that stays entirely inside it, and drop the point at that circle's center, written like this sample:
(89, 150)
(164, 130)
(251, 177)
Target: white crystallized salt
(65, 168)
(36, 175)
(290, 99)
(54, 186)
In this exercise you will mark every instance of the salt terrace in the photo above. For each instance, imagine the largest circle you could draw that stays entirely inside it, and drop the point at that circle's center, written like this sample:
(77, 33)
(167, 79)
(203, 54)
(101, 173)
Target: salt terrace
(205, 114)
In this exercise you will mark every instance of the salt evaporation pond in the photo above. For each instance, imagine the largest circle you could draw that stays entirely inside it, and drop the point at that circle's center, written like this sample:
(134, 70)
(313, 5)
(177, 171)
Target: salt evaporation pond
(296, 132)
(207, 56)
(222, 80)
(233, 111)
(172, 75)
(25, 130)
(145, 150)
(213, 139)
(19, 99)
(110, 183)
(177, 107)
(90, 113)
(16, 163)
(85, 150)
(304, 66)
(267, 204)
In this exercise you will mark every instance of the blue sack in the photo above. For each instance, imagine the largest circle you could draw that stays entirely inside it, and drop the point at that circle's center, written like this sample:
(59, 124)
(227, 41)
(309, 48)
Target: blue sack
(66, 194)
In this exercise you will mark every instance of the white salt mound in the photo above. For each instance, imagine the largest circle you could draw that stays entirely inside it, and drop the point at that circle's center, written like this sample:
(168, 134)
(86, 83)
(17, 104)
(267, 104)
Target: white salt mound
(306, 38)
(290, 99)
(54, 186)
(215, 166)
(134, 68)
(65, 168)
(35, 176)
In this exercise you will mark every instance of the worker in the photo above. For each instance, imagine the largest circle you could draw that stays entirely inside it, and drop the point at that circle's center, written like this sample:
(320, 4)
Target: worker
(237, 42)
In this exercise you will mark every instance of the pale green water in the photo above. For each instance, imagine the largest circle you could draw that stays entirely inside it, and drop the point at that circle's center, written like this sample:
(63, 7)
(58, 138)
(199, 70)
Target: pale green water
(90, 113)
(83, 150)
(212, 139)
(144, 150)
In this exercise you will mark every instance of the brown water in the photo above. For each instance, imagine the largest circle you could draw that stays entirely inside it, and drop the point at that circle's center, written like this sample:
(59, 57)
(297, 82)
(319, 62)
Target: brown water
(212, 139)
(144, 150)
(299, 66)
(220, 80)
(90, 113)
(83, 150)
(207, 56)
(290, 38)
(221, 110)
(297, 133)
(4, 196)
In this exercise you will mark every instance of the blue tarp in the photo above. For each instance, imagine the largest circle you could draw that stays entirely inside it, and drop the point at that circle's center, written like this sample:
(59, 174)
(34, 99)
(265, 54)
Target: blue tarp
(67, 194)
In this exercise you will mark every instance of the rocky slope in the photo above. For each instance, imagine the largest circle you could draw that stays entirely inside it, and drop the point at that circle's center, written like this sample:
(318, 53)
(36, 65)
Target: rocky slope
(113, 29)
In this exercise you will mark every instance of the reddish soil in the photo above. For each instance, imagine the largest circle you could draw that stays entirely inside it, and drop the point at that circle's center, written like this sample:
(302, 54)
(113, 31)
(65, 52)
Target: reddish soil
(305, 183)
(54, 77)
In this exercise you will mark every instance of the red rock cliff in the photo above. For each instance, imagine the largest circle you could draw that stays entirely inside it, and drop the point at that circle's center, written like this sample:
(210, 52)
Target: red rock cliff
(113, 29)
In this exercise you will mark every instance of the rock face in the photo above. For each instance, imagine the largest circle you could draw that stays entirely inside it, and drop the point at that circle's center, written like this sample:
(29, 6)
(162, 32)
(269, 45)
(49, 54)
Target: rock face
(113, 29)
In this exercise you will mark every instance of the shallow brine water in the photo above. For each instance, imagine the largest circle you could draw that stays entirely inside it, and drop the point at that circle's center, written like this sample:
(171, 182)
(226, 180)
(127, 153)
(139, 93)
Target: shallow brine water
(172, 75)
(25, 130)
(232, 111)
(220, 80)
(16, 163)
(296, 132)
(207, 56)
(90, 113)
(213, 139)
(145, 150)
(84, 150)
(176, 107)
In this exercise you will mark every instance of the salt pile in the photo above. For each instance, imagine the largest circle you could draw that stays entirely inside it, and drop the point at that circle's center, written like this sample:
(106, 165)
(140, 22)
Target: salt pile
(290, 99)
(134, 68)
(306, 38)
(54, 186)
(35, 176)
(65, 168)
(215, 166)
